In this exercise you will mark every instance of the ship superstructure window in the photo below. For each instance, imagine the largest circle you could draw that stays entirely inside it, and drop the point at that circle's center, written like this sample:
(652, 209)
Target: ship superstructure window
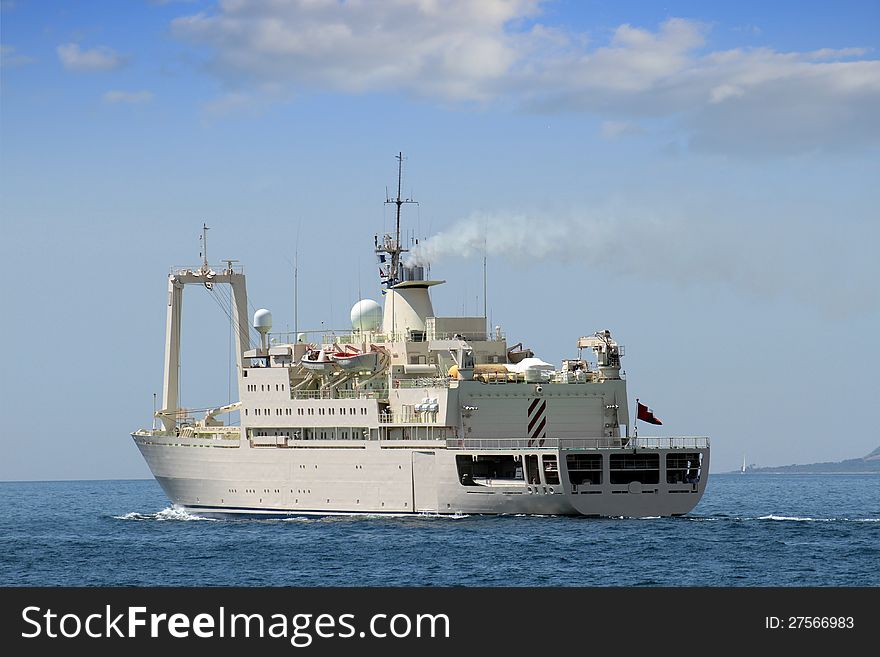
(626, 468)
(551, 468)
(683, 468)
(584, 468)
(484, 470)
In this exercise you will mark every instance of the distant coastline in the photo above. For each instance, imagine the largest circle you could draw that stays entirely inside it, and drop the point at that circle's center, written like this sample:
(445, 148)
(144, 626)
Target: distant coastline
(869, 464)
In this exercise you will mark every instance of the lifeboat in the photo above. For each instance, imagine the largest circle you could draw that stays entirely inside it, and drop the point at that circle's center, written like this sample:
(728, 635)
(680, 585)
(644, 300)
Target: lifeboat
(317, 360)
(356, 361)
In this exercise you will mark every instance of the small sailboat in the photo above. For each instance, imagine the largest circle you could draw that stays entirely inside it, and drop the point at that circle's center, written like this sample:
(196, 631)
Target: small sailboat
(743, 469)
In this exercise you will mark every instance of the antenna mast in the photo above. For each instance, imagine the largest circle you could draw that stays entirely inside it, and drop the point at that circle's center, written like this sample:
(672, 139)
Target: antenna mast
(204, 240)
(296, 288)
(393, 246)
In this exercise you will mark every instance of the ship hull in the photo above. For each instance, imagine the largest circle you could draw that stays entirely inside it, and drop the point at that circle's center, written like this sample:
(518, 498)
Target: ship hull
(398, 478)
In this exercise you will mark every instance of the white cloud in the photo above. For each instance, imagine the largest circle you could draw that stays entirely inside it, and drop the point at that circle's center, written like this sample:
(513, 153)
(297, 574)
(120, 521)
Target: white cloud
(753, 100)
(836, 53)
(73, 58)
(9, 58)
(129, 97)
(450, 49)
(724, 91)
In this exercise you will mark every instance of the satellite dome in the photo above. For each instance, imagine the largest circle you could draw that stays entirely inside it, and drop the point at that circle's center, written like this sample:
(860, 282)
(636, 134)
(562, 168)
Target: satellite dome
(263, 320)
(366, 315)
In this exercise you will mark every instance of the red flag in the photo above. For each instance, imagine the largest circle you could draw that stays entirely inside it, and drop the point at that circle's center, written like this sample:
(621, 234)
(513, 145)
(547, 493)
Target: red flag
(646, 414)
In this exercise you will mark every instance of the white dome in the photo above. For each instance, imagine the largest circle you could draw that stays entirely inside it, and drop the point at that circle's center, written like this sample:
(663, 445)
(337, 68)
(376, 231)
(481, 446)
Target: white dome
(263, 320)
(366, 315)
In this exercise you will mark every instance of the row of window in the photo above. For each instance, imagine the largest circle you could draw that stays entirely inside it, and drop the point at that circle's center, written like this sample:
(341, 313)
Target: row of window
(268, 411)
(265, 387)
(582, 468)
(323, 433)
(332, 411)
(681, 468)
(308, 411)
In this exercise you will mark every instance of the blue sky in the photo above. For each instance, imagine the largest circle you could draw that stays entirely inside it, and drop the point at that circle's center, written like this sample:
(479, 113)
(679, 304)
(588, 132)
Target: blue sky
(698, 177)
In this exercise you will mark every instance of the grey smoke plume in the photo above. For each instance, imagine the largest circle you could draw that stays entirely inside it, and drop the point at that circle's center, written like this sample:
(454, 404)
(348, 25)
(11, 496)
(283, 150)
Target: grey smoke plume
(625, 246)
(762, 260)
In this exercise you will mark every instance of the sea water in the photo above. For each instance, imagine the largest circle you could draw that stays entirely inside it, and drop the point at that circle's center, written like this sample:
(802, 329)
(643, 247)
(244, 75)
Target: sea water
(748, 530)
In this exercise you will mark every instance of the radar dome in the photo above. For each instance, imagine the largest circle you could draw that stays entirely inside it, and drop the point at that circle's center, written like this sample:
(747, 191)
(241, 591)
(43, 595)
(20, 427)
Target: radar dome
(263, 320)
(366, 315)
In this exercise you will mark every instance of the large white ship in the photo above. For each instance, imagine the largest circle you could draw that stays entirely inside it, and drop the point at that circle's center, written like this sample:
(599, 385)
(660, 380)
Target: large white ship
(411, 412)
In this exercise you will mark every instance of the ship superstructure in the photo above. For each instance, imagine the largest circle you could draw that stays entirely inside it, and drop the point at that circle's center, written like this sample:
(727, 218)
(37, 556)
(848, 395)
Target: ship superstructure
(412, 412)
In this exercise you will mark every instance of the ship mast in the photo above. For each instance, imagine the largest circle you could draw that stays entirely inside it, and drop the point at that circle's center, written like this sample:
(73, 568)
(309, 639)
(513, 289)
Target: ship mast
(389, 246)
(204, 241)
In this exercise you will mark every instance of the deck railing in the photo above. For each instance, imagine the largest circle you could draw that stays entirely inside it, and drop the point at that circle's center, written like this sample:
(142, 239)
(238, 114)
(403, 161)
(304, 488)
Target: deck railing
(373, 393)
(670, 442)
(423, 382)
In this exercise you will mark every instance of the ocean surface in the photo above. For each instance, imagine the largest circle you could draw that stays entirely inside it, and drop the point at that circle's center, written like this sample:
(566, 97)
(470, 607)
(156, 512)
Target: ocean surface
(748, 530)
